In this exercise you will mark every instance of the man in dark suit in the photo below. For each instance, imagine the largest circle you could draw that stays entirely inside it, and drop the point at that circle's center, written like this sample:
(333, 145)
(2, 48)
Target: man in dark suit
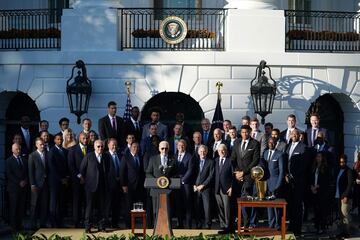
(223, 188)
(146, 143)
(130, 138)
(291, 126)
(64, 124)
(186, 128)
(132, 125)
(245, 156)
(195, 144)
(75, 157)
(38, 176)
(45, 136)
(183, 198)
(17, 181)
(231, 140)
(311, 133)
(215, 143)
(206, 133)
(59, 177)
(44, 126)
(276, 169)
(27, 136)
(226, 126)
(94, 170)
(176, 136)
(133, 176)
(112, 126)
(279, 144)
(204, 173)
(161, 165)
(115, 185)
(162, 129)
(297, 167)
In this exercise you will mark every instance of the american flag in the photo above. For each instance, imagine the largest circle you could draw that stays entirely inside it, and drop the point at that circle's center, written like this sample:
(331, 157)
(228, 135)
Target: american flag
(127, 112)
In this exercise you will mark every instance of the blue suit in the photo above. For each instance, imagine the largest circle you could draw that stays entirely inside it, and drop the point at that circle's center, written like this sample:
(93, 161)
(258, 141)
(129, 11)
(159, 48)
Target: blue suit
(276, 170)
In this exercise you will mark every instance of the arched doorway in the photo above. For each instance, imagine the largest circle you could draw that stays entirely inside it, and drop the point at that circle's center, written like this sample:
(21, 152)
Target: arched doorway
(171, 103)
(331, 118)
(19, 105)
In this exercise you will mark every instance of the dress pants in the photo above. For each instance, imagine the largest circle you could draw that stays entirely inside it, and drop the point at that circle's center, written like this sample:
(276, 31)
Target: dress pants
(223, 202)
(183, 200)
(78, 195)
(17, 200)
(57, 204)
(99, 200)
(117, 202)
(295, 206)
(202, 208)
(39, 205)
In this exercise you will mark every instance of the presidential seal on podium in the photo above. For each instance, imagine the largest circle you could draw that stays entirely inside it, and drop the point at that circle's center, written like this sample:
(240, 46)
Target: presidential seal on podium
(162, 182)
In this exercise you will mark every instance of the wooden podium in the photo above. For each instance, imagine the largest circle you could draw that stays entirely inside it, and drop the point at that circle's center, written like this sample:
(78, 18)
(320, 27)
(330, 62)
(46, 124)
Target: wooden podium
(161, 188)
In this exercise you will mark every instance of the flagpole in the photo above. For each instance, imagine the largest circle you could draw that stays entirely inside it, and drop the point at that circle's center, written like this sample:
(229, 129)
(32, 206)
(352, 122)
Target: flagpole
(128, 86)
(219, 85)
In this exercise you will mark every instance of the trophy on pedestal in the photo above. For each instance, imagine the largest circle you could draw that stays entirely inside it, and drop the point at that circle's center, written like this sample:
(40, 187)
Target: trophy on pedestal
(257, 173)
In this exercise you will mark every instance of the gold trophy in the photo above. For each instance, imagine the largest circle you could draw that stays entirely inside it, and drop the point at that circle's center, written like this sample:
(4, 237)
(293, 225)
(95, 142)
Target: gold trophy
(257, 173)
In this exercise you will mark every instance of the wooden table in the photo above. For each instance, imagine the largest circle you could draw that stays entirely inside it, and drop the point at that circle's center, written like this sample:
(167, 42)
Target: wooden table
(138, 214)
(277, 203)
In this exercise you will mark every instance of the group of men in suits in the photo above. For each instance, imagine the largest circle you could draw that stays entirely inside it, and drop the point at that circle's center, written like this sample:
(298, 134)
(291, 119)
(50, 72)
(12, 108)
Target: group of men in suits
(214, 166)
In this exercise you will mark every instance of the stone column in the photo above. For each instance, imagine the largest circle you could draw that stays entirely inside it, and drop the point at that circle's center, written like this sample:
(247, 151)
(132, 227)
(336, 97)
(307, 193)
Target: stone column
(252, 4)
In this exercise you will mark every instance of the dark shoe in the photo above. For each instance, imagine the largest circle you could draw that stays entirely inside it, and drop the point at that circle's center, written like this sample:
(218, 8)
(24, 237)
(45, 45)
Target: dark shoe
(223, 232)
(87, 230)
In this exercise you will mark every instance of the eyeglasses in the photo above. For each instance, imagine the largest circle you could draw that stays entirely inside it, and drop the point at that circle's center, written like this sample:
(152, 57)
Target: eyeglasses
(100, 146)
(164, 148)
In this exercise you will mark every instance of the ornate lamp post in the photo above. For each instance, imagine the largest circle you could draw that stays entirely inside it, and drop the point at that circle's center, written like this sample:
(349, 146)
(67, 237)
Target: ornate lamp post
(262, 92)
(79, 91)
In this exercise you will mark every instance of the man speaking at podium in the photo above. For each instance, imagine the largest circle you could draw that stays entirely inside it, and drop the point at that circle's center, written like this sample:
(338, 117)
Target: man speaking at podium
(161, 165)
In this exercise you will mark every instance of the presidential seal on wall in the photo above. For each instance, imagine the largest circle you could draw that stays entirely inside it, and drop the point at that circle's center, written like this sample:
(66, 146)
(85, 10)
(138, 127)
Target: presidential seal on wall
(173, 30)
(162, 182)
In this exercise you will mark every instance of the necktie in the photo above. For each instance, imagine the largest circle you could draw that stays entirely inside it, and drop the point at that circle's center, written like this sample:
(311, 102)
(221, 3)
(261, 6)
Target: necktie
(215, 146)
(113, 124)
(222, 163)
(42, 158)
(254, 135)
(291, 149)
(136, 126)
(83, 151)
(288, 135)
(202, 161)
(137, 162)
(196, 149)
(243, 146)
(19, 161)
(27, 138)
(205, 137)
(99, 158)
(116, 163)
(313, 137)
(179, 158)
(163, 161)
(270, 155)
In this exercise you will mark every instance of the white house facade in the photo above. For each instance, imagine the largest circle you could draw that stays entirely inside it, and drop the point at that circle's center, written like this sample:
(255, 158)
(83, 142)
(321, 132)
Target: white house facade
(247, 32)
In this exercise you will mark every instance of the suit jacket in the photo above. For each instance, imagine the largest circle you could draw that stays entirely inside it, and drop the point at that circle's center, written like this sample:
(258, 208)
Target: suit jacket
(38, 172)
(162, 130)
(309, 133)
(186, 168)
(131, 174)
(129, 128)
(58, 165)
(173, 149)
(187, 130)
(156, 170)
(245, 161)
(298, 162)
(75, 157)
(323, 182)
(210, 137)
(345, 183)
(113, 175)
(283, 135)
(90, 171)
(276, 169)
(205, 177)
(106, 131)
(211, 154)
(223, 176)
(25, 150)
(15, 173)
(281, 146)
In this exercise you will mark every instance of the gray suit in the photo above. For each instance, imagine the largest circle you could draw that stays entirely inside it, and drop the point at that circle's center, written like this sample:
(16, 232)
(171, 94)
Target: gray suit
(261, 138)
(38, 177)
(162, 130)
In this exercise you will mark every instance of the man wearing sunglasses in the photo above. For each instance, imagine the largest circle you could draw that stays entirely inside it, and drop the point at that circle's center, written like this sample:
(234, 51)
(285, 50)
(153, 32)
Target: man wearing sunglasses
(94, 170)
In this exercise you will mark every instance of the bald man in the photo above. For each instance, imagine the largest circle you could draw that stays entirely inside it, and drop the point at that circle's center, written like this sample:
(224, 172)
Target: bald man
(17, 182)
